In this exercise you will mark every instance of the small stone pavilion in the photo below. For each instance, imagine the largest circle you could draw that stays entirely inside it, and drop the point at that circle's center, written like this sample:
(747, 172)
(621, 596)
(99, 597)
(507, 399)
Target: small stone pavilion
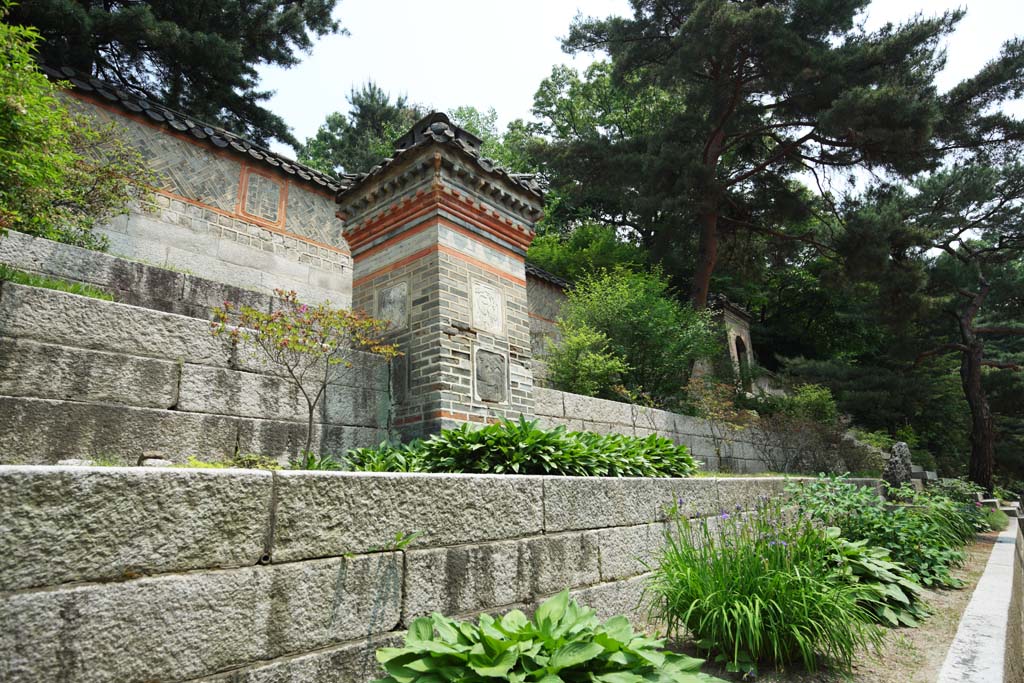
(439, 237)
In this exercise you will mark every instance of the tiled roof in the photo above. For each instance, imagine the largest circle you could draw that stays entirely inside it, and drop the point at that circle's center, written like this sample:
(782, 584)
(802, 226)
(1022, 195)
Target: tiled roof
(438, 128)
(541, 274)
(721, 302)
(214, 136)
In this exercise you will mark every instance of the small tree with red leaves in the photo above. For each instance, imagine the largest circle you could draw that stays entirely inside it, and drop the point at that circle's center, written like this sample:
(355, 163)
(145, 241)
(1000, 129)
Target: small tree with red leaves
(311, 343)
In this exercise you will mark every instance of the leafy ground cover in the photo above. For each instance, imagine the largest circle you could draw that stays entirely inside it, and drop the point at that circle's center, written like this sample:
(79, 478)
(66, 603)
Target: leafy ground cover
(520, 447)
(563, 643)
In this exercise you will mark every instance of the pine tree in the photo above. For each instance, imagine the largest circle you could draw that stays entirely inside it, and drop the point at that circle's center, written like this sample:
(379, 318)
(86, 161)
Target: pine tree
(194, 56)
(761, 92)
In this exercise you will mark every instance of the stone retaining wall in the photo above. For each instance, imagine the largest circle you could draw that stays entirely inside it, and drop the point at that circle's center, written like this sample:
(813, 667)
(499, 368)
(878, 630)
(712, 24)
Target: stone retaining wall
(138, 574)
(1014, 656)
(734, 453)
(84, 378)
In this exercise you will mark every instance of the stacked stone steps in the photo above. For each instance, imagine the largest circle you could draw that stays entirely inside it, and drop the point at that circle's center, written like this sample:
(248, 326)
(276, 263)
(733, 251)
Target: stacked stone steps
(1011, 509)
(919, 472)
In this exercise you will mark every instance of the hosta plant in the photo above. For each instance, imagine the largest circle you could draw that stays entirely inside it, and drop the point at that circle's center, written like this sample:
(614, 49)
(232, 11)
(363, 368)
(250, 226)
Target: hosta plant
(563, 643)
(891, 593)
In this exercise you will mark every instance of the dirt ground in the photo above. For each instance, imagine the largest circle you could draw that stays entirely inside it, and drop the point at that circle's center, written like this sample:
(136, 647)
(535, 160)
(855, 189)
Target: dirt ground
(909, 655)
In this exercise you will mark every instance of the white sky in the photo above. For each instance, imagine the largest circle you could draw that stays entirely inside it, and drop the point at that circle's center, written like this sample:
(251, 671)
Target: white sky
(494, 53)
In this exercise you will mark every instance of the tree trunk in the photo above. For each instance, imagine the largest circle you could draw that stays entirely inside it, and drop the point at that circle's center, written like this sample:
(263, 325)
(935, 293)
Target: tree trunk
(982, 427)
(707, 257)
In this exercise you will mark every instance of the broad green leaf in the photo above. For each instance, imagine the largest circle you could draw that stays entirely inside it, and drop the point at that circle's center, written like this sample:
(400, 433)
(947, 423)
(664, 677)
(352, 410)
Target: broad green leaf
(421, 629)
(497, 668)
(573, 654)
(552, 609)
(619, 677)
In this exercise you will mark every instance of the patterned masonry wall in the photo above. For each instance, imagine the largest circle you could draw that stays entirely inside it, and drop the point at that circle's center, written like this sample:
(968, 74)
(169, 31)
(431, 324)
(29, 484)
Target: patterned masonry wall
(545, 301)
(246, 576)
(224, 218)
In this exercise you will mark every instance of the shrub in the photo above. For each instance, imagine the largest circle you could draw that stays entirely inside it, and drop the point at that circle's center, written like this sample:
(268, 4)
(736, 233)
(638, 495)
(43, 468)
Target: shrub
(655, 334)
(924, 535)
(580, 362)
(386, 458)
(521, 448)
(563, 642)
(965, 494)
(761, 588)
(997, 520)
(61, 172)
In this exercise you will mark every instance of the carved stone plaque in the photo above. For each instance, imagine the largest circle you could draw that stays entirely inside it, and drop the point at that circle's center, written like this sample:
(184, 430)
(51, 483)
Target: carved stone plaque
(491, 376)
(393, 304)
(488, 309)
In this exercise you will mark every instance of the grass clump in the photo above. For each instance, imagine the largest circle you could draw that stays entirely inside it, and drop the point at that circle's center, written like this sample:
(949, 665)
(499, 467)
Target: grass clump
(760, 588)
(997, 520)
(20, 277)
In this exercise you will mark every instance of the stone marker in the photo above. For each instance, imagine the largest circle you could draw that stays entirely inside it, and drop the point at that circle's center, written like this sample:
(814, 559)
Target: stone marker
(898, 468)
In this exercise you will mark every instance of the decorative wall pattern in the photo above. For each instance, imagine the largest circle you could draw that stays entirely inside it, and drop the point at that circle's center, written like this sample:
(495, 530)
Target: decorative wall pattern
(312, 215)
(262, 197)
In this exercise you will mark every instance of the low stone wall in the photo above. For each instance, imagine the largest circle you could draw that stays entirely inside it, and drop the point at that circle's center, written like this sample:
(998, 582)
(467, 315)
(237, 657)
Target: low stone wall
(583, 413)
(1014, 657)
(130, 282)
(84, 378)
(138, 574)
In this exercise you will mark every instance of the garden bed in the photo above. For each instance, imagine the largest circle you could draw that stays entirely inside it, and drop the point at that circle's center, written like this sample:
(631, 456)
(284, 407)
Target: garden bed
(909, 655)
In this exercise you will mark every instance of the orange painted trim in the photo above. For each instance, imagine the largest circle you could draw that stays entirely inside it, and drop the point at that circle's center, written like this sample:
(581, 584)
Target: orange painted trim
(408, 234)
(243, 197)
(419, 204)
(433, 249)
(481, 265)
(246, 219)
(396, 265)
(540, 317)
(510, 232)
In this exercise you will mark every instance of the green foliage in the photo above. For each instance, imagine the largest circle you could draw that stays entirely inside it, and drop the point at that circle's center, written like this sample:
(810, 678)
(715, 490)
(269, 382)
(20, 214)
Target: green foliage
(308, 343)
(760, 588)
(20, 277)
(891, 593)
(247, 461)
(61, 172)
(314, 461)
(519, 447)
(359, 140)
(193, 56)
(657, 336)
(997, 520)
(581, 363)
(586, 248)
(925, 534)
(386, 457)
(563, 642)
(510, 150)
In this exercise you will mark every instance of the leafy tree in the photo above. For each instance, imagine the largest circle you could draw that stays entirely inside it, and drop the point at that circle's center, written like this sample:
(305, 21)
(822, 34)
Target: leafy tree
(61, 172)
(310, 344)
(194, 56)
(510, 150)
(580, 362)
(586, 248)
(358, 141)
(646, 327)
(758, 92)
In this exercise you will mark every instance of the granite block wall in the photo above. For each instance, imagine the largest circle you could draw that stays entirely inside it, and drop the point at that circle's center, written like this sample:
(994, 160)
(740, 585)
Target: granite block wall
(138, 574)
(720, 451)
(84, 378)
(545, 301)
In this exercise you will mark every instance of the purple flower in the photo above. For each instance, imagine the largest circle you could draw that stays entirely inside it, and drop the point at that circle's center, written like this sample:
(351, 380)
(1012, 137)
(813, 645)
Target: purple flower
(725, 515)
(738, 507)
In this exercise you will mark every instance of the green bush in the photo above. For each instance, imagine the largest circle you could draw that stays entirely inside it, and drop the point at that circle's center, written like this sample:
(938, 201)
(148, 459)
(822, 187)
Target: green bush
(997, 520)
(581, 363)
(965, 494)
(563, 642)
(520, 447)
(925, 534)
(760, 588)
(386, 457)
(655, 334)
(891, 593)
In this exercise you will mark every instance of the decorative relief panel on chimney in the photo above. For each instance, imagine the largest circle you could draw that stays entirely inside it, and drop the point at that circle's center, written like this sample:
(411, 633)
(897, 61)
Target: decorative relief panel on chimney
(488, 308)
